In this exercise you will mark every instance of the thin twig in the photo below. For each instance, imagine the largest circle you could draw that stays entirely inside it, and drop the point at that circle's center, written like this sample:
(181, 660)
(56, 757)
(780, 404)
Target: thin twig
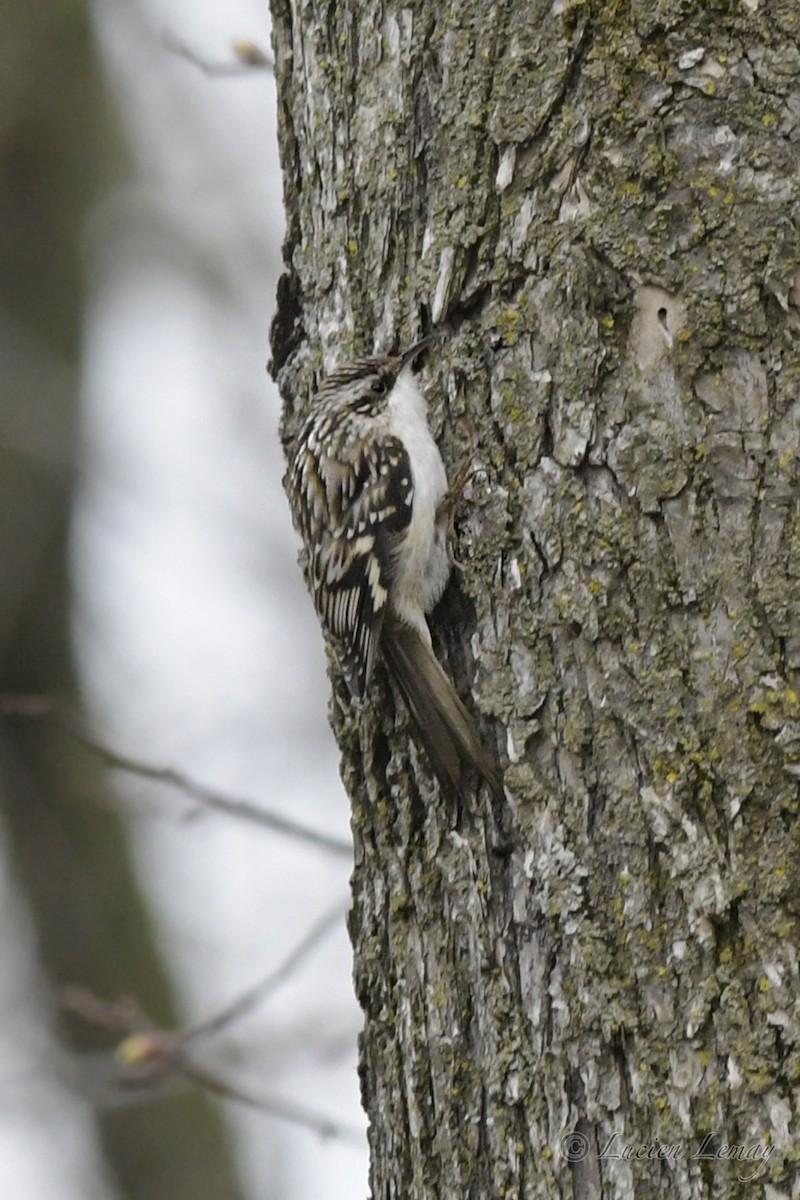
(249, 58)
(283, 1109)
(42, 708)
(259, 992)
(147, 1058)
(121, 1016)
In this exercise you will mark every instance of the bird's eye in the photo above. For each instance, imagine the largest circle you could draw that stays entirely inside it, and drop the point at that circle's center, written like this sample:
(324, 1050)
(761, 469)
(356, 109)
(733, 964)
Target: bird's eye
(379, 387)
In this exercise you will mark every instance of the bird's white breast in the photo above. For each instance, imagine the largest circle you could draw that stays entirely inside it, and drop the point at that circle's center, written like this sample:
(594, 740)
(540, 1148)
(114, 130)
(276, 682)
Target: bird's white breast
(423, 564)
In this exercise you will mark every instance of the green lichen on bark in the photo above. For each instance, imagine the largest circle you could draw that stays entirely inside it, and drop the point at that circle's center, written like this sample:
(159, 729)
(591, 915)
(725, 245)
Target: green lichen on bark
(602, 202)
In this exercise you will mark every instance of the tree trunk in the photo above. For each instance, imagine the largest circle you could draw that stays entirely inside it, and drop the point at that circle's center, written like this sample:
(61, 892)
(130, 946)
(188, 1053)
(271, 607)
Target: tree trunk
(590, 991)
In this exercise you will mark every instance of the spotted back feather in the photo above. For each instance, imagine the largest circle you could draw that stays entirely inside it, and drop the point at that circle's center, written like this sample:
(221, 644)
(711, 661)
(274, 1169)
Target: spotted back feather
(354, 501)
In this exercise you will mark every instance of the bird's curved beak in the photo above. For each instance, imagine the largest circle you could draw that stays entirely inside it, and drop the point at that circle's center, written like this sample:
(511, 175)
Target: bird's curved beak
(413, 352)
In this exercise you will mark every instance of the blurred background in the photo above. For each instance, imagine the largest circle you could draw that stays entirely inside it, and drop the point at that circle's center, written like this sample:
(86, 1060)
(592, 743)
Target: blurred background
(148, 583)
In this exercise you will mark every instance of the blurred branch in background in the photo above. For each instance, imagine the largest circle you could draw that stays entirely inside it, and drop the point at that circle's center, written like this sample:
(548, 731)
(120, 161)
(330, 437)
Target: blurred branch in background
(260, 991)
(68, 862)
(148, 1058)
(43, 708)
(248, 58)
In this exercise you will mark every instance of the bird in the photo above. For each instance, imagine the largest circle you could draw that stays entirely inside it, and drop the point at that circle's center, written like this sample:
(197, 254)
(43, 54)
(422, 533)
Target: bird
(369, 498)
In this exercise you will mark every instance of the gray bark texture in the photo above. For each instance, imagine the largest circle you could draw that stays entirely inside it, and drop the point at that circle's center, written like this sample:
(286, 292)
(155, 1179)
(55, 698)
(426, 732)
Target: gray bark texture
(591, 990)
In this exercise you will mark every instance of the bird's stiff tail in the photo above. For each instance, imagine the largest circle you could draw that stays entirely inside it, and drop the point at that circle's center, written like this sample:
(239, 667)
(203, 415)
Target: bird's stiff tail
(445, 727)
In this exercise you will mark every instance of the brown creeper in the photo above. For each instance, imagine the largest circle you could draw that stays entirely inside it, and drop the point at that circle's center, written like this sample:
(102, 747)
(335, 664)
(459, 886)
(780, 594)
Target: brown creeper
(368, 492)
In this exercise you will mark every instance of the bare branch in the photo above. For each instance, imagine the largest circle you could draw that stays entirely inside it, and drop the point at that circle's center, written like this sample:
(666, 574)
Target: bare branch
(123, 1016)
(283, 1109)
(248, 58)
(259, 992)
(148, 1058)
(42, 708)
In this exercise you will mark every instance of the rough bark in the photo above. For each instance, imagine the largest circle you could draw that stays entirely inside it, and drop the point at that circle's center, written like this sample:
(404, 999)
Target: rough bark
(602, 200)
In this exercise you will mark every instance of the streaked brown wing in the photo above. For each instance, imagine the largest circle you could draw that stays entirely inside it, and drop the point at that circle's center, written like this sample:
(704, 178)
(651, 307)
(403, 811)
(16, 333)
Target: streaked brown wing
(352, 513)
